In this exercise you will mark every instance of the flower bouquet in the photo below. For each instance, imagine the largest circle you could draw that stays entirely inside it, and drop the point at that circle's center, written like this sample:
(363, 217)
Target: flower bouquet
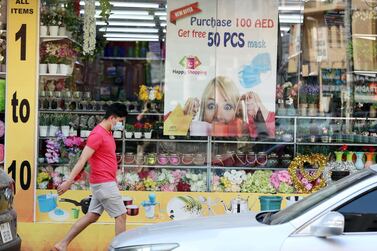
(281, 181)
(258, 182)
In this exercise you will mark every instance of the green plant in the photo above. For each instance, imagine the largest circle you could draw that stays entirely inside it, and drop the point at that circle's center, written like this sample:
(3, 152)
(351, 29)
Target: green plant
(44, 120)
(56, 120)
(52, 59)
(65, 119)
(129, 128)
(105, 10)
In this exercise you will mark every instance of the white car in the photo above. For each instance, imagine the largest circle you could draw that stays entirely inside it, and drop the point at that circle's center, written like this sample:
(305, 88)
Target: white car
(342, 216)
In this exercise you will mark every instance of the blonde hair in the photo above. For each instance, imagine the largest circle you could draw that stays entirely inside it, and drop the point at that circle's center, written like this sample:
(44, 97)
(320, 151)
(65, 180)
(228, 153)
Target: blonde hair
(225, 86)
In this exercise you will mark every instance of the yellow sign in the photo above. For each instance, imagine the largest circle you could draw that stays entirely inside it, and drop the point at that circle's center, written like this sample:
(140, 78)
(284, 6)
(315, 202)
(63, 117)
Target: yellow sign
(20, 138)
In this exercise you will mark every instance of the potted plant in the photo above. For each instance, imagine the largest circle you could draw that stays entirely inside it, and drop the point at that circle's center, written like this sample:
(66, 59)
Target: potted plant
(312, 98)
(52, 61)
(147, 130)
(60, 16)
(138, 130)
(129, 129)
(54, 125)
(158, 128)
(43, 59)
(65, 119)
(303, 100)
(55, 22)
(45, 21)
(66, 57)
(44, 122)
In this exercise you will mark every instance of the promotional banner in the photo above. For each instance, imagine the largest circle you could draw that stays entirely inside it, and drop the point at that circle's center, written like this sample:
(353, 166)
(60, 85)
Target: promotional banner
(145, 207)
(220, 74)
(21, 101)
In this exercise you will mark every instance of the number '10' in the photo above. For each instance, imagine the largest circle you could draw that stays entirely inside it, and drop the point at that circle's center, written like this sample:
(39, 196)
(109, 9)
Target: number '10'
(25, 173)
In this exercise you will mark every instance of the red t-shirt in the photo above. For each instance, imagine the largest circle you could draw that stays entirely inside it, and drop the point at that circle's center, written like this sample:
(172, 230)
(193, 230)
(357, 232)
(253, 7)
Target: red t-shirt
(103, 163)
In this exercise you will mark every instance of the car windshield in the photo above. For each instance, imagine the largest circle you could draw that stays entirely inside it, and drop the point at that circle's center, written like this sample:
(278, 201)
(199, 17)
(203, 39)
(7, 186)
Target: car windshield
(314, 199)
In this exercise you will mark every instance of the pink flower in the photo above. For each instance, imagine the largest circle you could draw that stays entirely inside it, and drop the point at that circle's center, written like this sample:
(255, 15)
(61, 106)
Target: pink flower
(168, 188)
(216, 180)
(153, 175)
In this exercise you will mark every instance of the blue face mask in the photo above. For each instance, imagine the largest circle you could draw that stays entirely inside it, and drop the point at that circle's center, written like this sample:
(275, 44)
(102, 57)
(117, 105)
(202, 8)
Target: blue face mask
(118, 127)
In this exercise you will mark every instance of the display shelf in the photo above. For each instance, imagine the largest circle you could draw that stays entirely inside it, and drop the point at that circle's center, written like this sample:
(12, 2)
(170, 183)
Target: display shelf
(166, 166)
(326, 118)
(247, 168)
(253, 142)
(168, 140)
(324, 8)
(335, 144)
(70, 112)
(56, 38)
(57, 75)
(132, 58)
(146, 113)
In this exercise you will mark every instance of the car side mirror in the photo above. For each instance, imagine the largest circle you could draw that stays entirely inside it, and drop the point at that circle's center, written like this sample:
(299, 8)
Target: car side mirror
(331, 224)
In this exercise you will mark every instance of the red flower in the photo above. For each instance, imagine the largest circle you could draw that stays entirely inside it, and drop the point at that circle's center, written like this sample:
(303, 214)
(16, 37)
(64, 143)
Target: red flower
(138, 125)
(343, 148)
(183, 187)
(143, 174)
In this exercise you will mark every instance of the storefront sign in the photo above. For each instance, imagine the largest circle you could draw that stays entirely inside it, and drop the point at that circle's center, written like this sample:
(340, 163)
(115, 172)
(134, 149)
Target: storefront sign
(20, 139)
(221, 68)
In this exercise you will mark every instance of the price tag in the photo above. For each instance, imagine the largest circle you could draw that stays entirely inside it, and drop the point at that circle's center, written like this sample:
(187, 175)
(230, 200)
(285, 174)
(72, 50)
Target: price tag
(21, 106)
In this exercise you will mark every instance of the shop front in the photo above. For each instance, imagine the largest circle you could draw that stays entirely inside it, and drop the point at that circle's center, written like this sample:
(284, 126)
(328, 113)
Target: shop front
(233, 106)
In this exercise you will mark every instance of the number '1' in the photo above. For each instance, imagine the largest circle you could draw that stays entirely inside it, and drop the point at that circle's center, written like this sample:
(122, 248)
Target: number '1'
(21, 33)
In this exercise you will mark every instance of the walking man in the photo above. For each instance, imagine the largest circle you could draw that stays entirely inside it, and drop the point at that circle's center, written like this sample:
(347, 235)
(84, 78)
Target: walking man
(100, 152)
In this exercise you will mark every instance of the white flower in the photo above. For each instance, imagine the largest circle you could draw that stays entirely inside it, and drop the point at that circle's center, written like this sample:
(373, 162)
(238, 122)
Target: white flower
(89, 27)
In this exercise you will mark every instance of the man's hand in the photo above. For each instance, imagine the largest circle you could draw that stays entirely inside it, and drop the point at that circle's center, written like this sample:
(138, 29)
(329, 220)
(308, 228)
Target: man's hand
(62, 188)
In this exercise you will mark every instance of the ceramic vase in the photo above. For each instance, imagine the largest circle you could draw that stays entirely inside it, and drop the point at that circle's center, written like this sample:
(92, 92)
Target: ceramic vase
(349, 165)
(359, 164)
(369, 160)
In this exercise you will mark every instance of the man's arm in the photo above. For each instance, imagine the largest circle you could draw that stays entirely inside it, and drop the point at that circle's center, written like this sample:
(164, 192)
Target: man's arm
(85, 155)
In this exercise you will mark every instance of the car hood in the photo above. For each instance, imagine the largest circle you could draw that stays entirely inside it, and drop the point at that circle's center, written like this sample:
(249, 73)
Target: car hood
(202, 229)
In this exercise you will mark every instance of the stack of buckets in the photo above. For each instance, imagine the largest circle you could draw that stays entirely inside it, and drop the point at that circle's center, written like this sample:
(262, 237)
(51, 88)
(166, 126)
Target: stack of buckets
(270, 203)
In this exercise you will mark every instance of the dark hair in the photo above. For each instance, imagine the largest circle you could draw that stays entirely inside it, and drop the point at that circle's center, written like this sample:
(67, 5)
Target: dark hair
(116, 109)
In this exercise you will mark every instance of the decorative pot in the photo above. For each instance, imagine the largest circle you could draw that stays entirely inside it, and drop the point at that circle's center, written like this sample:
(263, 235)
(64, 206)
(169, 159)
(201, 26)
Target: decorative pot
(312, 110)
(138, 135)
(187, 159)
(65, 131)
(62, 31)
(139, 160)
(128, 135)
(42, 68)
(64, 68)
(217, 160)
(273, 160)
(251, 158)
(148, 135)
(199, 159)
(129, 158)
(162, 159)
(262, 158)
(228, 158)
(349, 161)
(43, 131)
(54, 30)
(43, 30)
(369, 160)
(117, 134)
(359, 164)
(240, 159)
(303, 109)
(174, 159)
(52, 130)
(52, 68)
(151, 159)
(286, 160)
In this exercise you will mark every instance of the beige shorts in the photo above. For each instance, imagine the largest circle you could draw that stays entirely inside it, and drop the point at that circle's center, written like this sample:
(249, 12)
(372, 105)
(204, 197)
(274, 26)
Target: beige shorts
(106, 196)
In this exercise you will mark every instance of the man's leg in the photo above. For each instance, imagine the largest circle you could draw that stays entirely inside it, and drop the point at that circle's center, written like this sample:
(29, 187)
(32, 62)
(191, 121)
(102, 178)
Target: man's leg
(80, 225)
(120, 224)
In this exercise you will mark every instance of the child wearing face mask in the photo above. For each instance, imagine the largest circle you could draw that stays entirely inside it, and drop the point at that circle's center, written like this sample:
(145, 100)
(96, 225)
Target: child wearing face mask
(222, 106)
